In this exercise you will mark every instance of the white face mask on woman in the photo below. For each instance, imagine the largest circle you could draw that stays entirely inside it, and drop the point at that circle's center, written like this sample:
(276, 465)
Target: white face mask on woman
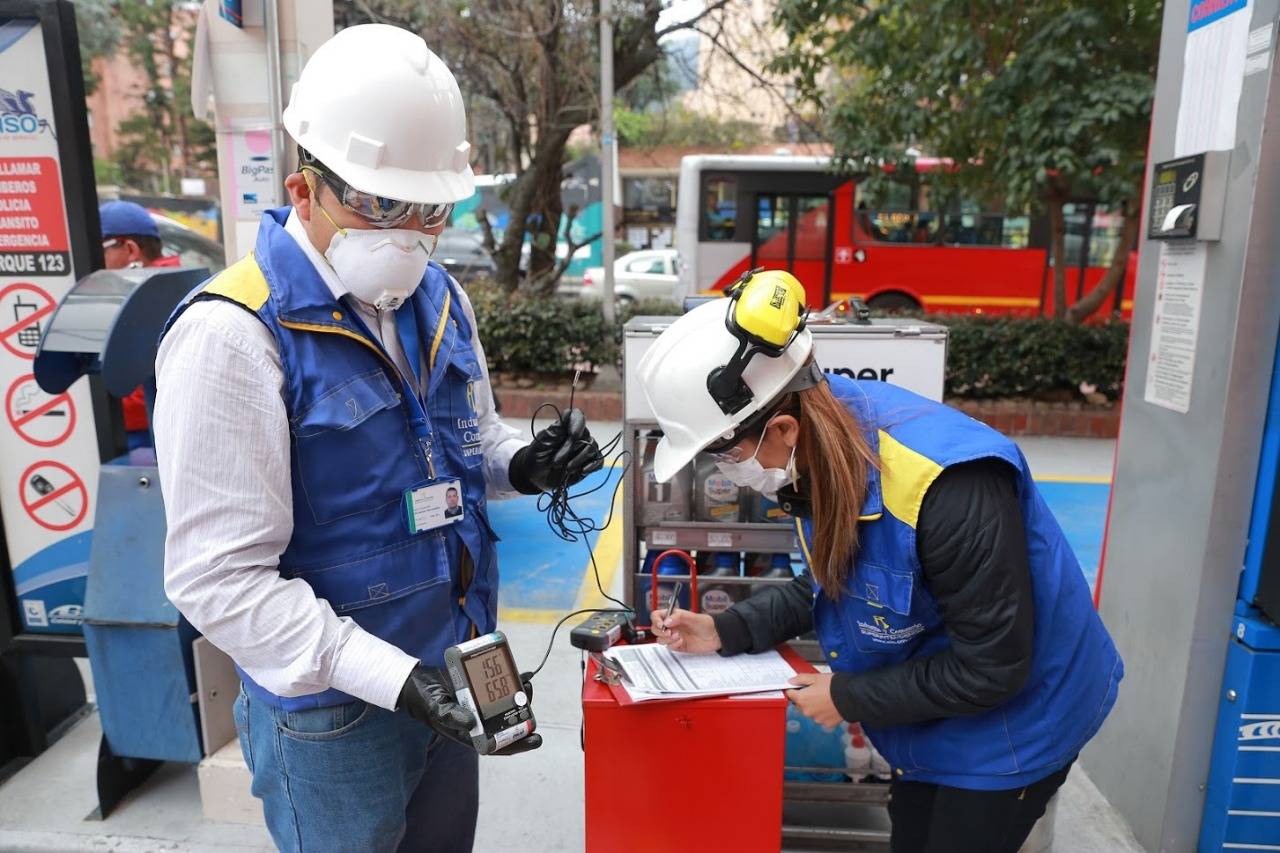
(380, 266)
(750, 474)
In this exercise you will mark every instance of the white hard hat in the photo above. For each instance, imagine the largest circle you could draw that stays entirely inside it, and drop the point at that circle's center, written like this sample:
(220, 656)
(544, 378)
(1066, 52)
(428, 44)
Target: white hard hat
(382, 111)
(674, 372)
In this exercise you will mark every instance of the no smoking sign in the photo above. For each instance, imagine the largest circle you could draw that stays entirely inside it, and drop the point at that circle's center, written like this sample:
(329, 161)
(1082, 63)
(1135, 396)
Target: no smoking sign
(45, 420)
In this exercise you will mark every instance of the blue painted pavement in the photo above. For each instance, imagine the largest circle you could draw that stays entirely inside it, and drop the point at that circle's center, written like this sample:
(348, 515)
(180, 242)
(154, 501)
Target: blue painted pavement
(1081, 510)
(539, 570)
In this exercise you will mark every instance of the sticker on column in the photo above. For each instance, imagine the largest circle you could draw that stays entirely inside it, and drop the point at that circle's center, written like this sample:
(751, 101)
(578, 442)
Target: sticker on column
(45, 420)
(22, 308)
(53, 495)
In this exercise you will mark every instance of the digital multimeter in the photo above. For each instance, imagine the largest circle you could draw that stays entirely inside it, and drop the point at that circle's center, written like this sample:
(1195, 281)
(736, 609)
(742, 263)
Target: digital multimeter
(487, 683)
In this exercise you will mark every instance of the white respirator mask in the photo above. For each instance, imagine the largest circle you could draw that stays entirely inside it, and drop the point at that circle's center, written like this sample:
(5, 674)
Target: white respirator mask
(381, 267)
(750, 474)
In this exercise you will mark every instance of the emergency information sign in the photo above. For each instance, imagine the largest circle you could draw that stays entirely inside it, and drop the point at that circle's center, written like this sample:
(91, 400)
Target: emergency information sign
(48, 443)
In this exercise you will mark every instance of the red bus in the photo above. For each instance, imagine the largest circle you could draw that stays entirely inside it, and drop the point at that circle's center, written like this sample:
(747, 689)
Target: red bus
(892, 247)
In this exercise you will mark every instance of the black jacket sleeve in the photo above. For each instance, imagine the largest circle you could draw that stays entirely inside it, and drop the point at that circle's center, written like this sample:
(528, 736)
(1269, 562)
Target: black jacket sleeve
(973, 549)
(769, 617)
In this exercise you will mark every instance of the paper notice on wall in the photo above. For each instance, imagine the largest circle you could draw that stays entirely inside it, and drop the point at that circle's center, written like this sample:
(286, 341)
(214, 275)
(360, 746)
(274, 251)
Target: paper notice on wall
(1212, 75)
(1171, 361)
(1259, 49)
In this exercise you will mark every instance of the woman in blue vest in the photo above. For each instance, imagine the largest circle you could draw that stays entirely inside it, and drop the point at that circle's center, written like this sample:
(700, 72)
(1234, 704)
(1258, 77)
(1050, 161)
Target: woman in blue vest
(956, 621)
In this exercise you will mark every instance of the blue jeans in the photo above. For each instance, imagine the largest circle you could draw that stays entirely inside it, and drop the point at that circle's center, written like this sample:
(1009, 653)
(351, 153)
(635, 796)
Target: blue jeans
(357, 777)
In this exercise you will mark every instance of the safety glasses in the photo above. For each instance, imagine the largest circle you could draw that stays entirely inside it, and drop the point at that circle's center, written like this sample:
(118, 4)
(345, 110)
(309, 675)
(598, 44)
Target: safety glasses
(383, 212)
(728, 450)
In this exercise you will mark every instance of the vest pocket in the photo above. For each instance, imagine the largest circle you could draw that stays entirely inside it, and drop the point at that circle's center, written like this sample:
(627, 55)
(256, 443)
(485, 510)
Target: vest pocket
(341, 440)
(980, 745)
(380, 577)
(878, 611)
(346, 405)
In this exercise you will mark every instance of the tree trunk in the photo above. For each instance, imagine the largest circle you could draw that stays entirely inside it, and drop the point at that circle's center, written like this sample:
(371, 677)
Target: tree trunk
(1058, 252)
(535, 208)
(1115, 274)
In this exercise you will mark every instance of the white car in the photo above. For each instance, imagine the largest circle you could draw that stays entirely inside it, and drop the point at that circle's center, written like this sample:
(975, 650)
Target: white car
(647, 274)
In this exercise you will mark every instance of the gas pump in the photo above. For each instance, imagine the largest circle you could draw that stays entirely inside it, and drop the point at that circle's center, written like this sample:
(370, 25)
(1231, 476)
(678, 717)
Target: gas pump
(1191, 754)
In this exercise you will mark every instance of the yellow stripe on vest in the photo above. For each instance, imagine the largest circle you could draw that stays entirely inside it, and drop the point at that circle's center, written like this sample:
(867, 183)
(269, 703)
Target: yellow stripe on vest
(905, 476)
(439, 335)
(242, 283)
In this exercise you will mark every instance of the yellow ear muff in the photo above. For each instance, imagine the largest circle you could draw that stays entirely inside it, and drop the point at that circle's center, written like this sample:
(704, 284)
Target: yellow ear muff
(770, 306)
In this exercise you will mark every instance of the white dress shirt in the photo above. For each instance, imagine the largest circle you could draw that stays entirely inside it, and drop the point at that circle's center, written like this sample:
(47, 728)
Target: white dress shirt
(222, 440)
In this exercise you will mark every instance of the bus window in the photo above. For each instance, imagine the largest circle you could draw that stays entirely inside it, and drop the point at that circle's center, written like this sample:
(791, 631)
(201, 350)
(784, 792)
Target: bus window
(1076, 219)
(890, 216)
(1104, 239)
(720, 208)
(773, 217)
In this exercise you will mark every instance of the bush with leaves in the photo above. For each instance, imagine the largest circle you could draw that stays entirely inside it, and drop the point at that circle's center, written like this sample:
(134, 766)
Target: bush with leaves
(1033, 357)
(987, 357)
(538, 334)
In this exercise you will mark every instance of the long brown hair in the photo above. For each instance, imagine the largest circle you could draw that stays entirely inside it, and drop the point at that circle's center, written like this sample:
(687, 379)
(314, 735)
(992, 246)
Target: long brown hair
(833, 456)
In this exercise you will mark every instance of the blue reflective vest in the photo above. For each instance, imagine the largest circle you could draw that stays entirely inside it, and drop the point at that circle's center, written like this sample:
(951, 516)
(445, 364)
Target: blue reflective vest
(360, 438)
(885, 614)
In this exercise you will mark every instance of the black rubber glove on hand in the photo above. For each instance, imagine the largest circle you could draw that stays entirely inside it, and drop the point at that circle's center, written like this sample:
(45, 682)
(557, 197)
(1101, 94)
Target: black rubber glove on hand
(428, 697)
(560, 455)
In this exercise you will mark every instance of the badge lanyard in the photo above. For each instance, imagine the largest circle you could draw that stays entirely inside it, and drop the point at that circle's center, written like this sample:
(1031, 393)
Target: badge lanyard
(437, 503)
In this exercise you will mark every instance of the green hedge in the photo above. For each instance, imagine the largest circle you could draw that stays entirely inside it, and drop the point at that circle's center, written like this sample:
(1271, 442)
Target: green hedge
(1032, 357)
(986, 357)
(549, 335)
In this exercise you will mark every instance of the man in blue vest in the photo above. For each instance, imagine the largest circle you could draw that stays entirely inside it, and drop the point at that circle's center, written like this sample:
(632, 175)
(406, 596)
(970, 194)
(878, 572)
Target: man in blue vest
(312, 397)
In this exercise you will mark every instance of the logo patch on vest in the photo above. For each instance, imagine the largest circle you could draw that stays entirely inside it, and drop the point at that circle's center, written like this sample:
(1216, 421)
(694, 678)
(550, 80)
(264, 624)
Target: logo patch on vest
(469, 427)
(881, 631)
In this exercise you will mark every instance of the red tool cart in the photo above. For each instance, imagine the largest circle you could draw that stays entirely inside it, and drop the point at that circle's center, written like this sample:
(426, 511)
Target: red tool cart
(723, 785)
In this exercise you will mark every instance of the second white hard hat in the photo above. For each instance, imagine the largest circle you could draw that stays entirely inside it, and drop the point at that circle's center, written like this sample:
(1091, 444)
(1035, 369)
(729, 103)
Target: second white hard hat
(673, 374)
(382, 111)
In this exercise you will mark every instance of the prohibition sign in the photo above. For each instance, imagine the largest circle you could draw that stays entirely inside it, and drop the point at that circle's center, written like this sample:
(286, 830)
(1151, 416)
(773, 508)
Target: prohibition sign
(22, 307)
(49, 492)
(40, 419)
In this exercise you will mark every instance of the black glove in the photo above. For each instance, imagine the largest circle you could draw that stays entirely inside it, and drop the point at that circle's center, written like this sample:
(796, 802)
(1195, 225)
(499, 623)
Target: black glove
(561, 455)
(428, 697)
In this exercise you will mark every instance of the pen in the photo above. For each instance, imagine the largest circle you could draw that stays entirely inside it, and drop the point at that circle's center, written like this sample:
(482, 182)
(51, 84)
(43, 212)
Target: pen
(675, 596)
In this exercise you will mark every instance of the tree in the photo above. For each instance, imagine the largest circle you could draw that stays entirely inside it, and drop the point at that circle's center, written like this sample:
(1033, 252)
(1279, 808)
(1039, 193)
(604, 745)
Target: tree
(1038, 101)
(99, 33)
(164, 140)
(675, 125)
(532, 67)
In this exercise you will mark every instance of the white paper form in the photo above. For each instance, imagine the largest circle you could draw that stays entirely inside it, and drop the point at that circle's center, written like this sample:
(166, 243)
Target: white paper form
(654, 671)
(1171, 360)
(1212, 75)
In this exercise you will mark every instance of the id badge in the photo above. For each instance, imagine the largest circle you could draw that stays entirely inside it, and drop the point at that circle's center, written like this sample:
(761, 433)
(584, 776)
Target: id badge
(434, 505)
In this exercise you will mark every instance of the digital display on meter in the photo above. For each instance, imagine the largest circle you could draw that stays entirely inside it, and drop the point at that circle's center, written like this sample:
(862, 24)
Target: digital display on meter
(493, 679)
(487, 683)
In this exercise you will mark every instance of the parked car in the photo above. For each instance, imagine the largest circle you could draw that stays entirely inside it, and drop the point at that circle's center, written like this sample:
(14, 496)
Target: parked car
(195, 249)
(463, 254)
(646, 274)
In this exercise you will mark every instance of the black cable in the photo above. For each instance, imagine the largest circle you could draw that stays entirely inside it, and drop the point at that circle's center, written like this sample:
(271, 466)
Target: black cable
(568, 526)
(565, 619)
